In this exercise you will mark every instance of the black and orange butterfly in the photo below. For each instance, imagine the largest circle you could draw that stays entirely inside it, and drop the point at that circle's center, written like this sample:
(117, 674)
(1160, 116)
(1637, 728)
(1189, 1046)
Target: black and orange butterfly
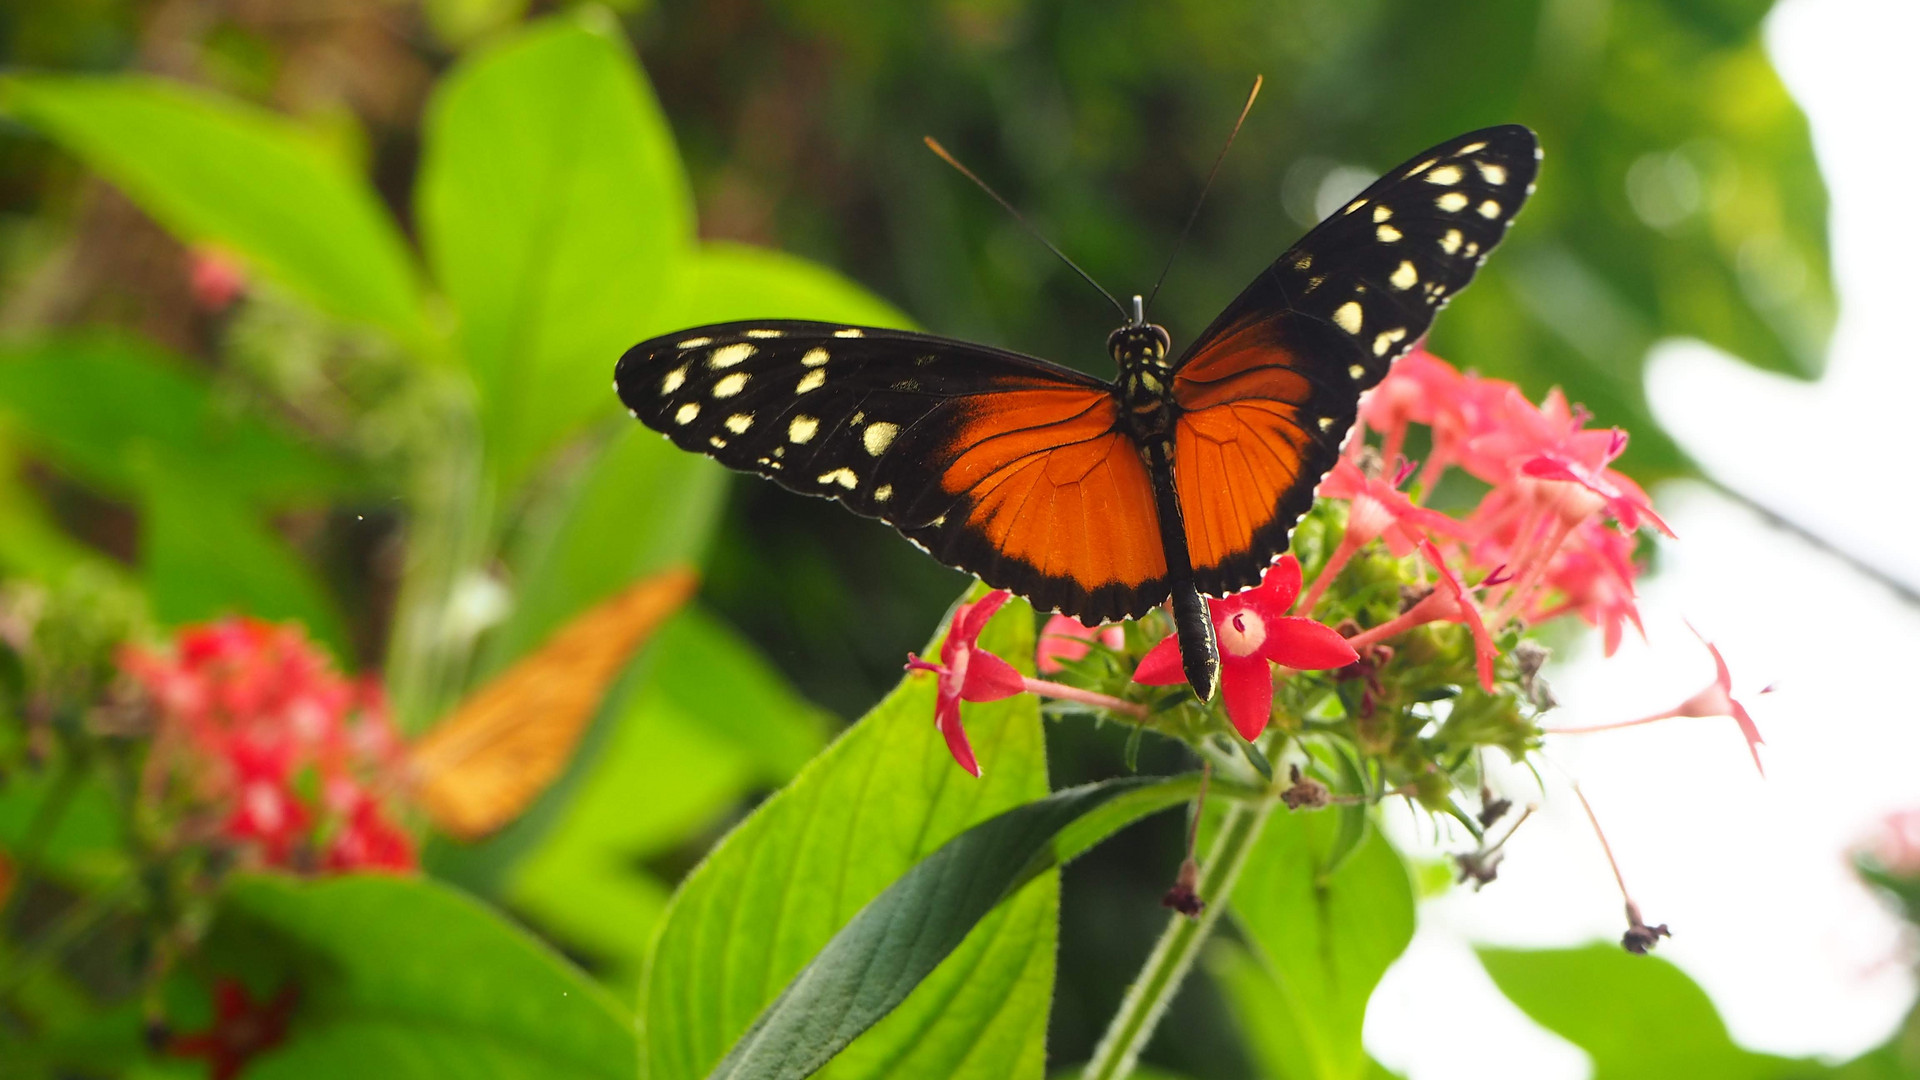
(1098, 499)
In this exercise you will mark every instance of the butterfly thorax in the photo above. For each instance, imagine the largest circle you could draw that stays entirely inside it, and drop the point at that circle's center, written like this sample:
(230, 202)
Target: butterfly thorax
(1145, 380)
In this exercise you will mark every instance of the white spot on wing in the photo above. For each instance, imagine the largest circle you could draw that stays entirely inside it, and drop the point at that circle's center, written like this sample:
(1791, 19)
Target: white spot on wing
(1492, 173)
(1348, 317)
(716, 442)
(849, 332)
(801, 428)
(730, 385)
(883, 493)
(1450, 243)
(1404, 276)
(1471, 148)
(765, 333)
(675, 380)
(687, 413)
(1354, 205)
(728, 355)
(878, 437)
(815, 358)
(739, 422)
(811, 381)
(1452, 202)
(694, 343)
(1445, 175)
(1489, 209)
(1386, 234)
(1422, 167)
(1382, 213)
(1357, 371)
(843, 476)
(1382, 343)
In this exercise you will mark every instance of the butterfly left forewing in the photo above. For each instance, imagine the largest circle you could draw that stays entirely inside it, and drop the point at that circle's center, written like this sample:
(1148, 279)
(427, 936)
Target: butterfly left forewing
(997, 463)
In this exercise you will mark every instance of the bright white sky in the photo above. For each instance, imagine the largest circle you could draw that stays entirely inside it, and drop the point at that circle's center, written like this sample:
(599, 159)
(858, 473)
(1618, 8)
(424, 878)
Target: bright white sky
(1752, 875)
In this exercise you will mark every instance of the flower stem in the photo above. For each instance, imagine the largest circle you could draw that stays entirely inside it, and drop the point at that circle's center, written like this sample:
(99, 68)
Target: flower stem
(1173, 955)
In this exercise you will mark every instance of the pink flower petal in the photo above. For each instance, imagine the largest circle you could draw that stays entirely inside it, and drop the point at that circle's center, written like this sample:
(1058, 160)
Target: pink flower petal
(990, 678)
(1161, 665)
(1306, 645)
(946, 716)
(1247, 686)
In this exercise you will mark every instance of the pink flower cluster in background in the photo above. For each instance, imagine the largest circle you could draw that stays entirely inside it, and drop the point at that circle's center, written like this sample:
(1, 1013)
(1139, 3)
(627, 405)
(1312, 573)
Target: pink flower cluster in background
(295, 758)
(1553, 534)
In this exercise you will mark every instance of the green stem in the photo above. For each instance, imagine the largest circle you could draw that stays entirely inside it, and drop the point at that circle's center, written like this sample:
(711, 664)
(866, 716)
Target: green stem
(1173, 955)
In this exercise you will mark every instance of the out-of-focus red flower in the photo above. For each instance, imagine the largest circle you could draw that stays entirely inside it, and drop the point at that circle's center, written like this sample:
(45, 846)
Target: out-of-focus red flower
(243, 1029)
(1593, 577)
(1895, 847)
(214, 278)
(1715, 699)
(1376, 510)
(251, 712)
(1254, 629)
(968, 673)
(1065, 639)
(1450, 601)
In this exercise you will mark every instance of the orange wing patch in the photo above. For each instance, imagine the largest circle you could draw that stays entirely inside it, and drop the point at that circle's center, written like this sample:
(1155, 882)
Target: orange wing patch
(1247, 453)
(1059, 499)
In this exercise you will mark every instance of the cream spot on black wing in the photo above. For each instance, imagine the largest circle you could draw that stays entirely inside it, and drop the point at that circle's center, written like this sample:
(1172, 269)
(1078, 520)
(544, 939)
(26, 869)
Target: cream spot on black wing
(1445, 175)
(728, 355)
(1386, 341)
(801, 428)
(814, 358)
(765, 333)
(686, 413)
(843, 476)
(694, 343)
(811, 381)
(878, 437)
(1382, 213)
(1452, 202)
(1492, 173)
(738, 423)
(675, 380)
(1404, 276)
(1386, 234)
(730, 385)
(1489, 209)
(1348, 317)
(1450, 243)
(849, 332)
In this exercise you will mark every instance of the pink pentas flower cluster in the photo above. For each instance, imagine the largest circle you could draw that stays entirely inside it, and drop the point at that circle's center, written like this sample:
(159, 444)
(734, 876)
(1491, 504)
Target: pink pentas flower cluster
(293, 757)
(1554, 532)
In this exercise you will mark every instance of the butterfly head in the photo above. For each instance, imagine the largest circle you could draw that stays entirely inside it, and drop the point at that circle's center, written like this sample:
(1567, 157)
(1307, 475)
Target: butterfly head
(1139, 345)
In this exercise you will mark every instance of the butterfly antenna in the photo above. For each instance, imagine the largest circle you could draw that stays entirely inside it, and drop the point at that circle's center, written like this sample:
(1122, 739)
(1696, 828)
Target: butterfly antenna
(934, 146)
(1204, 188)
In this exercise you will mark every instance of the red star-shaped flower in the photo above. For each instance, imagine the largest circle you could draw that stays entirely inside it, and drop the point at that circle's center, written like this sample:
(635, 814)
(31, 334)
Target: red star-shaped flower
(243, 1029)
(1254, 630)
(968, 673)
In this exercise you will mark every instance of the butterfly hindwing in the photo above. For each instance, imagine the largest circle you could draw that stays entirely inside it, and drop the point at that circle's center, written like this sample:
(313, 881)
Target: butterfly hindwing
(1000, 464)
(1269, 391)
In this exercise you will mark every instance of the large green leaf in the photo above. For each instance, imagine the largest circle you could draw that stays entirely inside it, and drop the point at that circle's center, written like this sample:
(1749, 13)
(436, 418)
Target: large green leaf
(884, 796)
(876, 960)
(1317, 944)
(404, 977)
(256, 184)
(1637, 1017)
(110, 410)
(204, 555)
(641, 506)
(695, 753)
(724, 282)
(554, 214)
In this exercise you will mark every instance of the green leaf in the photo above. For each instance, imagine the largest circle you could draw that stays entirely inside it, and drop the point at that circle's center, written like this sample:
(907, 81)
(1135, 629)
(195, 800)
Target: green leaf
(109, 410)
(554, 213)
(1637, 1017)
(696, 754)
(404, 977)
(660, 501)
(884, 796)
(255, 184)
(723, 282)
(872, 964)
(1317, 944)
(205, 555)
